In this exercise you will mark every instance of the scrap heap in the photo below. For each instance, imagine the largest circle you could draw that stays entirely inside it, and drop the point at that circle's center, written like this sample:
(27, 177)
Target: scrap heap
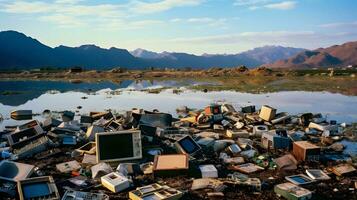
(214, 153)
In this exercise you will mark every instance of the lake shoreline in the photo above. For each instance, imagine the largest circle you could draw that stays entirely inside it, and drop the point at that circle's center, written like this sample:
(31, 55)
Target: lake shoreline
(260, 80)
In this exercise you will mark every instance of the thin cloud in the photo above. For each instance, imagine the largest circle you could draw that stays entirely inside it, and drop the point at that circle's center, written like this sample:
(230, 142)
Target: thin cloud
(163, 5)
(64, 21)
(69, 13)
(203, 20)
(307, 39)
(267, 4)
(250, 2)
(340, 25)
(68, 1)
(285, 5)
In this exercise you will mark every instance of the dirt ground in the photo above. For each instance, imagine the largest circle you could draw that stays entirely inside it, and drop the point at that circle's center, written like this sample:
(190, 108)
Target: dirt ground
(321, 190)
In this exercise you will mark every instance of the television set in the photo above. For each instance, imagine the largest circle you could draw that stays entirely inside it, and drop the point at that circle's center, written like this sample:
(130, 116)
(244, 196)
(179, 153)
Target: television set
(118, 146)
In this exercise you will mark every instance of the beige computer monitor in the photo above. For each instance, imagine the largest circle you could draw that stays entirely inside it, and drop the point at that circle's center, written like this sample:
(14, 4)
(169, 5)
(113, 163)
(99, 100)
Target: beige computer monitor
(118, 146)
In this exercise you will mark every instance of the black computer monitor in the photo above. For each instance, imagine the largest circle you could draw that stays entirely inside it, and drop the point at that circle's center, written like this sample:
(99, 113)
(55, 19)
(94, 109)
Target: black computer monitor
(187, 145)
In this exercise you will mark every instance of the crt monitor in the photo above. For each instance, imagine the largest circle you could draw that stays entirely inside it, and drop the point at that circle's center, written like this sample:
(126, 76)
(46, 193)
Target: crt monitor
(187, 145)
(118, 146)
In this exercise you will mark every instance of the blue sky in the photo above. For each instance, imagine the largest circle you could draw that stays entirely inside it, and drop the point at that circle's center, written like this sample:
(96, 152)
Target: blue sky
(193, 26)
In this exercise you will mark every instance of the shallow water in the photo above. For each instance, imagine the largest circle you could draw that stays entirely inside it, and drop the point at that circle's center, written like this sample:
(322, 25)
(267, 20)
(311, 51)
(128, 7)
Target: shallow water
(121, 97)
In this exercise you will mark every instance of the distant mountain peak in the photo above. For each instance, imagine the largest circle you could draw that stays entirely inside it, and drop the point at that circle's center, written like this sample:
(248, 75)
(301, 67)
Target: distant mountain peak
(146, 54)
(333, 56)
(89, 47)
(13, 33)
(20, 51)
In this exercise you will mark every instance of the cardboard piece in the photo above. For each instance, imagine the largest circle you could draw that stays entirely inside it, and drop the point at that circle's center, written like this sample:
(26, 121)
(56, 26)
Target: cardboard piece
(14, 171)
(170, 164)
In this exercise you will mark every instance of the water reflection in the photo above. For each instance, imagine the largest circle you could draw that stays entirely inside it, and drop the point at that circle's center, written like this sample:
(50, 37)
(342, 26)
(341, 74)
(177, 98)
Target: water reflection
(334, 106)
(14, 93)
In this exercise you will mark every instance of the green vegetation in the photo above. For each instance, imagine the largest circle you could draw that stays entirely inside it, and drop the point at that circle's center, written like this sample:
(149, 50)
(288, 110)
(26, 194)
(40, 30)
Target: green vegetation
(7, 93)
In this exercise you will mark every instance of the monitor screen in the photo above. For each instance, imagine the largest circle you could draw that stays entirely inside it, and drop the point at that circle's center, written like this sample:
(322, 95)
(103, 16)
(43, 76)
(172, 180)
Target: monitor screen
(189, 145)
(115, 146)
(300, 179)
(36, 190)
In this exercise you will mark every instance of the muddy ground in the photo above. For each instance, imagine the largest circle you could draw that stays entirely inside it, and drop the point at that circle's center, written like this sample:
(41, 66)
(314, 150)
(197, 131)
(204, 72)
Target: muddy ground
(336, 188)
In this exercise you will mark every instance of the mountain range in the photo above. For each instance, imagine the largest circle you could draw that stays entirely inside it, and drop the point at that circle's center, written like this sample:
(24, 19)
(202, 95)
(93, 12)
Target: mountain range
(334, 56)
(20, 51)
